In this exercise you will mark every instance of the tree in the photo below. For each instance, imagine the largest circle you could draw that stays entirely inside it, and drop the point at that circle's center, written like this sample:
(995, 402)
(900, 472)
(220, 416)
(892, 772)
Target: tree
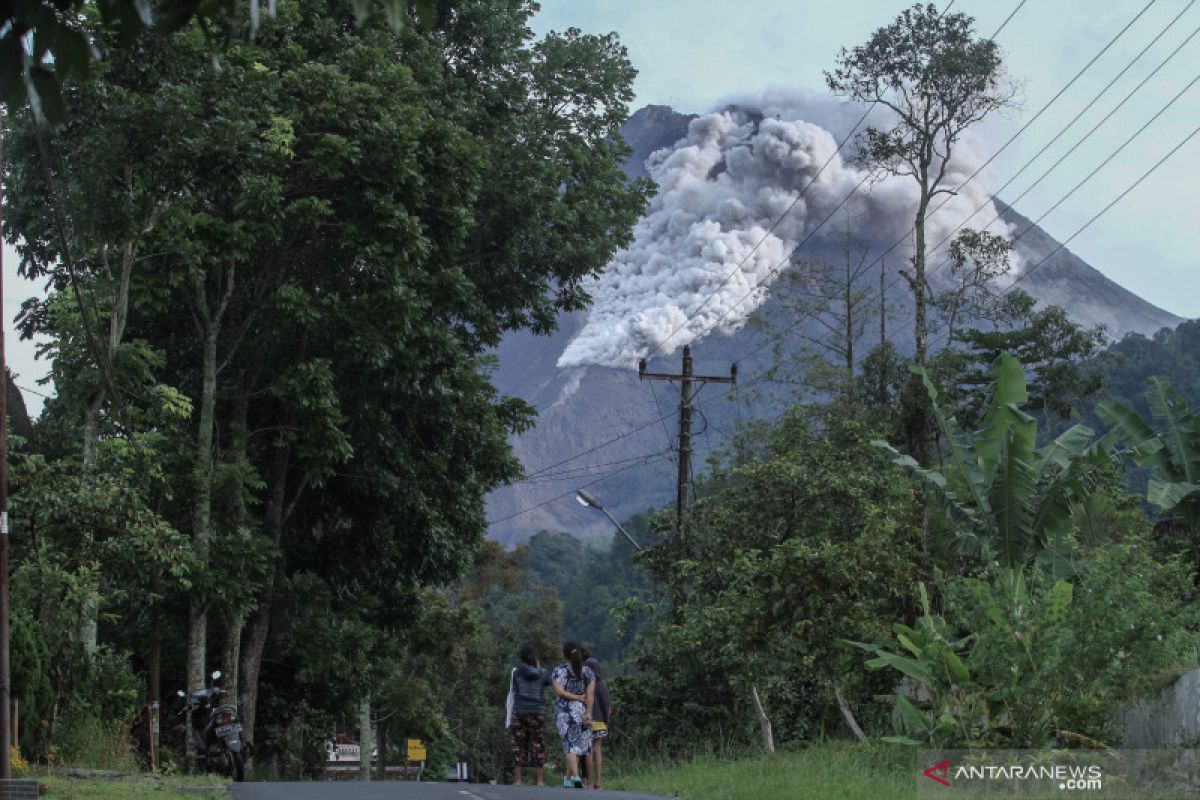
(840, 299)
(1172, 454)
(1061, 357)
(812, 541)
(938, 80)
(1004, 497)
(44, 43)
(356, 214)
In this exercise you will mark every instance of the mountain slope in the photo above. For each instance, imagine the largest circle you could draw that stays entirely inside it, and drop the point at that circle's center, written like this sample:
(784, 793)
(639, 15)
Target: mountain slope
(583, 409)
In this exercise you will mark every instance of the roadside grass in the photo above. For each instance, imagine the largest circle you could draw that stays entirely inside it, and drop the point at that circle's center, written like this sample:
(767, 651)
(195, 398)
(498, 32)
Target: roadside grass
(133, 787)
(826, 771)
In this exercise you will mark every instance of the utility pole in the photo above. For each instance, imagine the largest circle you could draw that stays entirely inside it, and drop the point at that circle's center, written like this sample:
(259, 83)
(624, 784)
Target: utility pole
(686, 395)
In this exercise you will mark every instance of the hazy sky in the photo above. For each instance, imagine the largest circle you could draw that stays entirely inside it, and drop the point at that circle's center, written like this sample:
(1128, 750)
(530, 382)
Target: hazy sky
(693, 54)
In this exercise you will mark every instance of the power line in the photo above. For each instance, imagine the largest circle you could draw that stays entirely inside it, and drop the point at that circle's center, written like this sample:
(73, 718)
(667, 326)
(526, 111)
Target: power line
(662, 417)
(763, 376)
(787, 259)
(1116, 200)
(580, 472)
(603, 444)
(793, 204)
(1071, 124)
(942, 264)
(1104, 210)
(567, 493)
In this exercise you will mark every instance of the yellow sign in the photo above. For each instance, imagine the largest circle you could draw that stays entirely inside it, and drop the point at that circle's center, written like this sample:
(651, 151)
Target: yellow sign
(416, 750)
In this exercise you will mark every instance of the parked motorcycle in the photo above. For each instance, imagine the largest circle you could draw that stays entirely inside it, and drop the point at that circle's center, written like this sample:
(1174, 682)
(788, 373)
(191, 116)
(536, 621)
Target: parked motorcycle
(215, 730)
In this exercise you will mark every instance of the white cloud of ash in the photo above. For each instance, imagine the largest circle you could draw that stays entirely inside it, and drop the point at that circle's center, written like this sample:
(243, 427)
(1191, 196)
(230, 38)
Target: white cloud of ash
(693, 264)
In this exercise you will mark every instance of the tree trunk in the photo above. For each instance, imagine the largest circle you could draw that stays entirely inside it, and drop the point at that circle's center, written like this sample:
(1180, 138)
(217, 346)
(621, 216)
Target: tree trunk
(156, 643)
(849, 715)
(231, 657)
(252, 651)
(89, 624)
(920, 326)
(260, 620)
(918, 422)
(236, 617)
(764, 722)
(365, 740)
(202, 506)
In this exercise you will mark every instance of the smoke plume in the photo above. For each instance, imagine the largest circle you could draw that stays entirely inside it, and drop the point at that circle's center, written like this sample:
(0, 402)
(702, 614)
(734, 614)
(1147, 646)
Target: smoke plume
(693, 266)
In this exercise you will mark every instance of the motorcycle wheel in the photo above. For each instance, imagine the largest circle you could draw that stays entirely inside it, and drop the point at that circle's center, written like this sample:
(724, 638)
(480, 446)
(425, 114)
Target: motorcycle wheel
(237, 767)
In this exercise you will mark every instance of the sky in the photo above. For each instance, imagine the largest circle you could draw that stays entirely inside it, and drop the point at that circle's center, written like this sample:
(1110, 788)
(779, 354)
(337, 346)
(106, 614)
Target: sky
(695, 55)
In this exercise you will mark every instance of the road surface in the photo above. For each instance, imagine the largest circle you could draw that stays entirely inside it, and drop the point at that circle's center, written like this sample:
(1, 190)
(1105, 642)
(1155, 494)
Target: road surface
(411, 790)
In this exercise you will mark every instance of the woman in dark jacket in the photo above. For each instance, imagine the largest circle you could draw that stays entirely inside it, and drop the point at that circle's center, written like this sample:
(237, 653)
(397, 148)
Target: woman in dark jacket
(528, 728)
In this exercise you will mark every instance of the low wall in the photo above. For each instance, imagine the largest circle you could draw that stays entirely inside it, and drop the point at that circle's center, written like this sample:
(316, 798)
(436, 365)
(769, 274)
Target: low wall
(1171, 718)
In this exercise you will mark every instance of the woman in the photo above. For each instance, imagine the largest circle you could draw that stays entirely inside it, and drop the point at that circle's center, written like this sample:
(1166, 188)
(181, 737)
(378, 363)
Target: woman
(602, 709)
(528, 728)
(575, 685)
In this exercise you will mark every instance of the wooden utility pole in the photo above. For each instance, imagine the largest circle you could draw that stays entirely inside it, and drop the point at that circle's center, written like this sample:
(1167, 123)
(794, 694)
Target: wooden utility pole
(686, 395)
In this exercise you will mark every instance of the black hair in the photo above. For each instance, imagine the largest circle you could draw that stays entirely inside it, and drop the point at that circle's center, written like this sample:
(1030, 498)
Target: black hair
(572, 651)
(527, 655)
(584, 652)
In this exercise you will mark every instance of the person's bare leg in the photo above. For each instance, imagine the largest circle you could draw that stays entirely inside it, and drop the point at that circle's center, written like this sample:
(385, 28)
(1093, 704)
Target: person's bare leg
(517, 775)
(587, 759)
(572, 766)
(597, 762)
(541, 776)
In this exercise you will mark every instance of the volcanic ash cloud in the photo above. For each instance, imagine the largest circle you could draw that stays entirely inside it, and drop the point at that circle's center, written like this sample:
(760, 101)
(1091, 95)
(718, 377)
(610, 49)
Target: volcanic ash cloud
(693, 265)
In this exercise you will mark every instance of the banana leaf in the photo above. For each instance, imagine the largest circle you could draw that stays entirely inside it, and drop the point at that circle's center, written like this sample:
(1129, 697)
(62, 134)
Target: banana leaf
(1177, 436)
(1168, 494)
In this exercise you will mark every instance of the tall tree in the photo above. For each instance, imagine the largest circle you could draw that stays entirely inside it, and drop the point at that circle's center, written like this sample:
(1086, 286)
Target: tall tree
(938, 79)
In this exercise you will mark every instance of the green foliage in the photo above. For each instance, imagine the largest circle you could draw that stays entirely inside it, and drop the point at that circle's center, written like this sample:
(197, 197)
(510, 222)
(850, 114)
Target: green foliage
(275, 279)
(1001, 495)
(1061, 358)
(1170, 455)
(44, 44)
(91, 742)
(1171, 451)
(930, 69)
(1171, 355)
(595, 582)
(828, 770)
(1041, 658)
(787, 553)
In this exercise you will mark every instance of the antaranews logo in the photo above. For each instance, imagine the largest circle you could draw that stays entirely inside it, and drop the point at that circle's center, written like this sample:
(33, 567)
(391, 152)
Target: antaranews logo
(939, 772)
(981, 774)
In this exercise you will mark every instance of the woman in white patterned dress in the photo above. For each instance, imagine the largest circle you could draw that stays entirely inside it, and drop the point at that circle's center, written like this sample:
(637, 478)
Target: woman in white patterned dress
(575, 686)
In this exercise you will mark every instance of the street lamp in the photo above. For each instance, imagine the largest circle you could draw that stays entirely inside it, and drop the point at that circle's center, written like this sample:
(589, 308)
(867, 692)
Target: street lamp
(586, 499)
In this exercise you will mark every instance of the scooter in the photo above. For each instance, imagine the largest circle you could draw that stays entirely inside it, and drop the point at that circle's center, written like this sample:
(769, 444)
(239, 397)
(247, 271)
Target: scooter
(215, 730)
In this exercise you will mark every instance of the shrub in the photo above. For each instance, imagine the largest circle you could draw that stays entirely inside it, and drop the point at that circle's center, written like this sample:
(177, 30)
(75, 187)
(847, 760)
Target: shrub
(1018, 659)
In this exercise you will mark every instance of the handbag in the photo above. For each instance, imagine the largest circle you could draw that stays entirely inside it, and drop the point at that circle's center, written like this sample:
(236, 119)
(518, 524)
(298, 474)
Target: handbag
(512, 698)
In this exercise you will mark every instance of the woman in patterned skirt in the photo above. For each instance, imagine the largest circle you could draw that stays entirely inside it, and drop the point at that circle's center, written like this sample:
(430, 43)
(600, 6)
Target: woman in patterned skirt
(528, 724)
(575, 686)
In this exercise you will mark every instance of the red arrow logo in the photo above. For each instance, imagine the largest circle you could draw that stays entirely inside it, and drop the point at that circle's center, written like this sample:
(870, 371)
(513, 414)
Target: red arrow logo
(939, 772)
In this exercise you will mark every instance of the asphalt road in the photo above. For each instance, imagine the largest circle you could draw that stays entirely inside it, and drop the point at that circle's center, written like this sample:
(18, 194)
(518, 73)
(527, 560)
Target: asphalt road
(411, 790)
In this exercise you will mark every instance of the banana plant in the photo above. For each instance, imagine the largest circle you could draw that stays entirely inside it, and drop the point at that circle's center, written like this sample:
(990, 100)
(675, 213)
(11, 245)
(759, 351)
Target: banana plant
(1172, 452)
(954, 708)
(982, 689)
(1000, 492)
